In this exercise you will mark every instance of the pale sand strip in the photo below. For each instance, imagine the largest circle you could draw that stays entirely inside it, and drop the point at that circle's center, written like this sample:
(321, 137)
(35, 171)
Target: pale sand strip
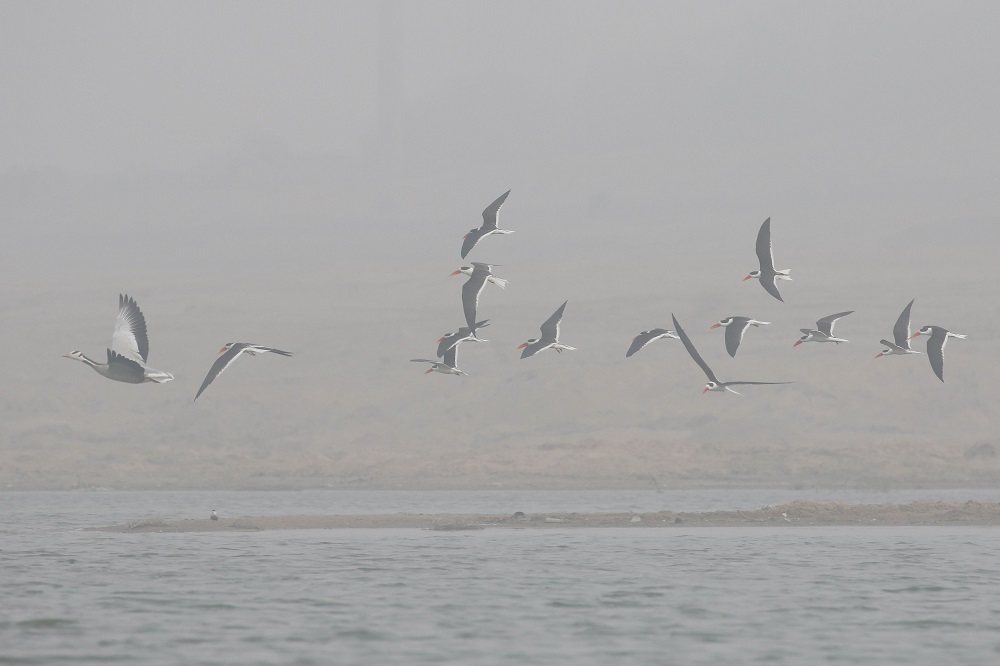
(799, 514)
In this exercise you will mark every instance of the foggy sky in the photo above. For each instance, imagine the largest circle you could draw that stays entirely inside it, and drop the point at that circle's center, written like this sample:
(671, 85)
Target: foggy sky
(300, 175)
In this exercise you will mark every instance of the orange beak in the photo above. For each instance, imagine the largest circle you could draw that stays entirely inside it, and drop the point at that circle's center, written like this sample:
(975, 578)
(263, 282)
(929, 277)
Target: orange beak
(914, 335)
(878, 355)
(746, 278)
(714, 326)
(454, 273)
(222, 350)
(429, 371)
(704, 390)
(523, 345)
(441, 338)
(797, 343)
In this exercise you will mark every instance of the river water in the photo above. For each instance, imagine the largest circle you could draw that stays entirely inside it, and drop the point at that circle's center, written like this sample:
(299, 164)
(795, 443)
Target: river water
(683, 595)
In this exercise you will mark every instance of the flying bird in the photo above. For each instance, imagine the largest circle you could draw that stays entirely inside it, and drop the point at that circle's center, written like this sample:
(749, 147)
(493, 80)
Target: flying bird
(900, 336)
(823, 331)
(935, 346)
(490, 216)
(449, 340)
(447, 366)
(713, 382)
(736, 327)
(479, 274)
(129, 349)
(550, 336)
(233, 350)
(646, 337)
(767, 273)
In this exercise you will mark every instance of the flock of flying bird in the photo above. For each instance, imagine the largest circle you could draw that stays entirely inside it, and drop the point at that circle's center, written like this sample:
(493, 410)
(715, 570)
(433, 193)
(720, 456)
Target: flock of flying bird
(129, 349)
(481, 273)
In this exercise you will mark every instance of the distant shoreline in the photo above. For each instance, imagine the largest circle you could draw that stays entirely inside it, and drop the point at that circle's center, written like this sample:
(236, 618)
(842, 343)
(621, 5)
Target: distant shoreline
(794, 514)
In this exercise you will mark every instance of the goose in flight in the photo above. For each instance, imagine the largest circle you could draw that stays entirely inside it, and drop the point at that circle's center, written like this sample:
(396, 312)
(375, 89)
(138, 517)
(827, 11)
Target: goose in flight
(550, 336)
(129, 348)
(713, 382)
(490, 216)
(233, 350)
(900, 335)
(736, 327)
(823, 331)
(479, 274)
(646, 337)
(935, 346)
(767, 274)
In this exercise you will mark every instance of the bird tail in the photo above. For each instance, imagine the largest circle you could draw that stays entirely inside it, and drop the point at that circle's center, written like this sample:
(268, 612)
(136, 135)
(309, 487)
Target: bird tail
(959, 336)
(158, 376)
(783, 274)
(500, 282)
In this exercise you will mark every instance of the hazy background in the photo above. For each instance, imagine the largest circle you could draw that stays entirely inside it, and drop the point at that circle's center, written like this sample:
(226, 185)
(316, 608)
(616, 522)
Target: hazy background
(300, 175)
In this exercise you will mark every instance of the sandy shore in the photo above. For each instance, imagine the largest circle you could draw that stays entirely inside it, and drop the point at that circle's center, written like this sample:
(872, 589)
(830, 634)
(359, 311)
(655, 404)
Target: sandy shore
(795, 514)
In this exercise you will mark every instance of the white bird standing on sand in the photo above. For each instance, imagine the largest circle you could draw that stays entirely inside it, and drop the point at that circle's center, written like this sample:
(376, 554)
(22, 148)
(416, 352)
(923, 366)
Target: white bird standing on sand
(233, 350)
(479, 274)
(550, 336)
(735, 328)
(713, 382)
(935, 346)
(823, 331)
(768, 273)
(490, 217)
(900, 335)
(446, 366)
(646, 337)
(214, 515)
(129, 349)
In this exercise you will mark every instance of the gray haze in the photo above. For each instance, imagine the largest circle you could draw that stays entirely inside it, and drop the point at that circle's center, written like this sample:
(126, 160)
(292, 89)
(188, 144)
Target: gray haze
(300, 175)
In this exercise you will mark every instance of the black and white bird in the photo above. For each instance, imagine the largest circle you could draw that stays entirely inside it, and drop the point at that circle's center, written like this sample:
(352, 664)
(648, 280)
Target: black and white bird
(449, 340)
(448, 365)
(646, 337)
(735, 329)
(490, 216)
(713, 382)
(550, 336)
(479, 274)
(823, 331)
(129, 349)
(214, 515)
(935, 346)
(900, 335)
(230, 353)
(768, 274)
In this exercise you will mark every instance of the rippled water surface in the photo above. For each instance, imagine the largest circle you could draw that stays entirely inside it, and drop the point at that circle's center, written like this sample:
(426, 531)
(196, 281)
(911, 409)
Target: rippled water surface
(874, 595)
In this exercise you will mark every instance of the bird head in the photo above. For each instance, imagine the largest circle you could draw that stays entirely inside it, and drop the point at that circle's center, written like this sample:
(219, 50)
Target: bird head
(753, 274)
(710, 386)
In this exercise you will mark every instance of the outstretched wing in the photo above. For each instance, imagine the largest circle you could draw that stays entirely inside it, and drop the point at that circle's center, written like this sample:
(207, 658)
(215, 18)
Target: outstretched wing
(260, 350)
(643, 339)
(694, 352)
(470, 296)
(826, 323)
(756, 383)
(935, 350)
(129, 338)
(451, 357)
(492, 212)
(901, 331)
(764, 255)
(550, 329)
(221, 363)
(470, 241)
(734, 334)
(768, 282)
